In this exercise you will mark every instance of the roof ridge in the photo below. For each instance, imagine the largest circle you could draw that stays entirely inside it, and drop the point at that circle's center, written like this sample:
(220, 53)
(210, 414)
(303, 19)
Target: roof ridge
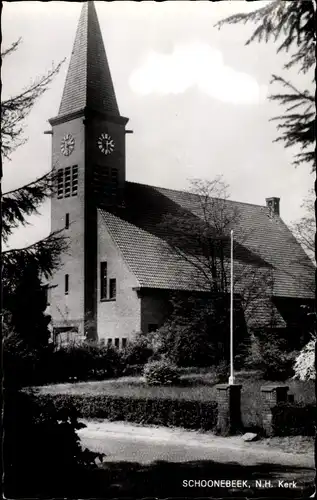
(195, 194)
(138, 240)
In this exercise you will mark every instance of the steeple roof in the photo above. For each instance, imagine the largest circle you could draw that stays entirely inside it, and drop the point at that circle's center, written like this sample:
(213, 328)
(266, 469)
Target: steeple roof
(88, 82)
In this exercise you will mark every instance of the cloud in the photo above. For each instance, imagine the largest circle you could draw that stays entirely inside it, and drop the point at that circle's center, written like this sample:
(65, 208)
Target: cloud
(195, 65)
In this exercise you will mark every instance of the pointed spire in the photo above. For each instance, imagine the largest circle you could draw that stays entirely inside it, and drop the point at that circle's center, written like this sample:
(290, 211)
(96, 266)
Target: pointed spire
(88, 82)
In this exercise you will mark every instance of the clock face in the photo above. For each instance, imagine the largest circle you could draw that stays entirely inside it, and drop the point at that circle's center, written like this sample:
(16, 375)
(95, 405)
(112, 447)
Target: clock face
(67, 144)
(106, 143)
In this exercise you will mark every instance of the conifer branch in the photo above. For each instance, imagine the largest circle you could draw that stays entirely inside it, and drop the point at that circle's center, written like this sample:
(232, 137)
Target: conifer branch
(44, 255)
(11, 49)
(19, 203)
(15, 109)
(294, 25)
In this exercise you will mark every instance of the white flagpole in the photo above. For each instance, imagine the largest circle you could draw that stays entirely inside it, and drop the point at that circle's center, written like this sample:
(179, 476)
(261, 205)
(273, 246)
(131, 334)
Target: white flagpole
(231, 378)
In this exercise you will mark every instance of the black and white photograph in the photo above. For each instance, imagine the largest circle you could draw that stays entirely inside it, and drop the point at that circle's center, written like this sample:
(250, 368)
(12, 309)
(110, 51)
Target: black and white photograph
(158, 249)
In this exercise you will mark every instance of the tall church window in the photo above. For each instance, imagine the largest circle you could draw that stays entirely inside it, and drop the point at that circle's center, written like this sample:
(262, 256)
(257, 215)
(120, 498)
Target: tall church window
(117, 343)
(103, 280)
(66, 221)
(112, 288)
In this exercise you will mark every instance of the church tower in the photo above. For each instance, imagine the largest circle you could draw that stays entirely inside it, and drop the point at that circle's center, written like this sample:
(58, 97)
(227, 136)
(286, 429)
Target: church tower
(88, 155)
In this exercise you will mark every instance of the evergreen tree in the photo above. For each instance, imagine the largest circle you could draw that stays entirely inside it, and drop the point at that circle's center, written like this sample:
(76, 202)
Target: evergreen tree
(25, 299)
(23, 269)
(293, 26)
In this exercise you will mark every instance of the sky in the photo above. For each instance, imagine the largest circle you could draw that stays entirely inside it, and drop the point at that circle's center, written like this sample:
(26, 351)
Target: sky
(196, 97)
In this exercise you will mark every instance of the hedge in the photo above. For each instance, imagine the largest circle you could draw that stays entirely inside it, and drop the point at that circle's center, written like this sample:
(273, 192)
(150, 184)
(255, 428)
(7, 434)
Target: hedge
(165, 412)
(293, 419)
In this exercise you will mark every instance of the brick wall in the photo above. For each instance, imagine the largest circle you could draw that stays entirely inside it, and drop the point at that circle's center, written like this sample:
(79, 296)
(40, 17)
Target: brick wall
(69, 309)
(229, 409)
(119, 318)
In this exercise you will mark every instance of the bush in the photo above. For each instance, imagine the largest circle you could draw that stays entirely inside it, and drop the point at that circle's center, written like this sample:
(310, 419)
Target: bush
(156, 411)
(137, 351)
(304, 367)
(83, 362)
(196, 331)
(41, 449)
(222, 371)
(293, 419)
(106, 361)
(161, 373)
(269, 355)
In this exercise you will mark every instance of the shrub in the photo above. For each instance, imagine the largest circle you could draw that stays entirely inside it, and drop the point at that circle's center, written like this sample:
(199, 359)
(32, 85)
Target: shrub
(157, 411)
(185, 346)
(196, 331)
(293, 419)
(304, 367)
(137, 351)
(161, 373)
(47, 437)
(269, 355)
(106, 361)
(84, 362)
(222, 371)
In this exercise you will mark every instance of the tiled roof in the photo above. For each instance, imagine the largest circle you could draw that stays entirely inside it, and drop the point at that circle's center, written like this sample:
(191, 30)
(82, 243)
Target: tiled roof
(88, 82)
(144, 241)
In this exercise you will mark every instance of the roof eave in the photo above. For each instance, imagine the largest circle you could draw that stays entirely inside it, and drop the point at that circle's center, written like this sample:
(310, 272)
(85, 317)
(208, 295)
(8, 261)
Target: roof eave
(87, 114)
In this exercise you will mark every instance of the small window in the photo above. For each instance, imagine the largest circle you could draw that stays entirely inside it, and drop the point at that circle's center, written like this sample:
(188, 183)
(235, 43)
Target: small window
(67, 221)
(117, 343)
(67, 182)
(102, 342)
(103, 280)
(66, 284)
(114, 181)
(152, 328)
(60, 183)
(109, 342)
(74, 180)
(123, 343)
(112, 288)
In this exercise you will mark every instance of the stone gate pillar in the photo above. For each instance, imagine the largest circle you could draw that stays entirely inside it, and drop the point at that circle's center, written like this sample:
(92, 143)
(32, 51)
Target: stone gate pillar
(271, 396)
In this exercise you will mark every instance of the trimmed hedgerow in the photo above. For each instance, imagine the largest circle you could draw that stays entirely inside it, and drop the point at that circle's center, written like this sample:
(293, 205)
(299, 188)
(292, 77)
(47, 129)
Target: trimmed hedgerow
(165, 412)
(293, 419)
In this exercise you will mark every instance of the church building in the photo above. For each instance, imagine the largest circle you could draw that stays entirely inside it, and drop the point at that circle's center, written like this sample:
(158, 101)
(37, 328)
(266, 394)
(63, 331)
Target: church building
(117, 275)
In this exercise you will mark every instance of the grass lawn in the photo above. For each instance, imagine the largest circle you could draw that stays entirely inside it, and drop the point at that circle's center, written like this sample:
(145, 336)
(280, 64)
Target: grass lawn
(199, 386)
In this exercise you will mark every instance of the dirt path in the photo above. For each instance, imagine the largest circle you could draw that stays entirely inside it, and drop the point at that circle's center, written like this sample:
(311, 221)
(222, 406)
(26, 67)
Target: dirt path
(124, 441)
